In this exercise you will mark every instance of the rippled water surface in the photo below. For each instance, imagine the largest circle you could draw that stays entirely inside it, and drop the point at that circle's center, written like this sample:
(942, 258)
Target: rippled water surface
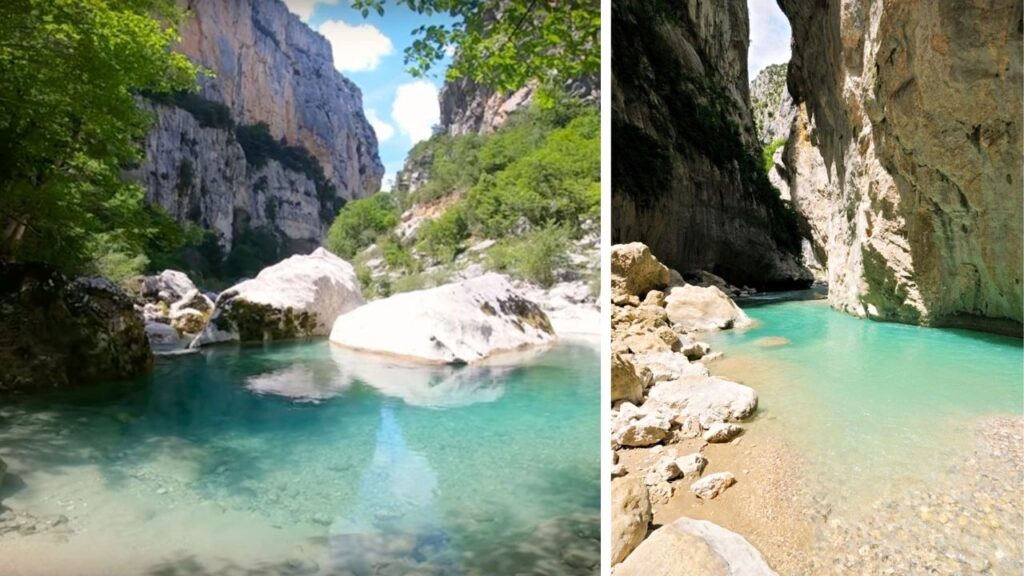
(305, 459)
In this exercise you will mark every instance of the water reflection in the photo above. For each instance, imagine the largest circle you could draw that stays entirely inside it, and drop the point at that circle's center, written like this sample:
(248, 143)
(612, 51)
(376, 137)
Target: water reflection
(396, 526)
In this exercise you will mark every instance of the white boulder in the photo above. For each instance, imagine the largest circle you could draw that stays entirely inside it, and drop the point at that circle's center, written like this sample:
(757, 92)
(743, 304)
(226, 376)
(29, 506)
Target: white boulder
(703, 308)
(298, 297)
(458, 323)
(708, 399)
(712, 485)
(688, 546)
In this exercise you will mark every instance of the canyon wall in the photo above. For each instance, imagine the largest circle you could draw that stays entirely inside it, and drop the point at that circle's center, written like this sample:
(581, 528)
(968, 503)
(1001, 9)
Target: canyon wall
(687, 178)
(268, 67)
(905, 158)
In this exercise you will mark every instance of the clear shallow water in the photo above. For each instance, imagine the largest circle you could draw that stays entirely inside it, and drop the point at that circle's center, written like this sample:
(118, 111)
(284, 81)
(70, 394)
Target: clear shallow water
(303, 458)
(871, 405)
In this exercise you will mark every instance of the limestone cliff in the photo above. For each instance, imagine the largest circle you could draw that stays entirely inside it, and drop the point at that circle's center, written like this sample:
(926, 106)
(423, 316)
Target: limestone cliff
(268, 68)
(471, 108)
(686, 175)
(906, 157)
(771, 104)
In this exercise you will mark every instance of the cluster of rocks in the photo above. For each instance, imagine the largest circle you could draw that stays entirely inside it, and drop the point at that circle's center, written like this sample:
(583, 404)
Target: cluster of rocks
(174, 310)
(663, 393)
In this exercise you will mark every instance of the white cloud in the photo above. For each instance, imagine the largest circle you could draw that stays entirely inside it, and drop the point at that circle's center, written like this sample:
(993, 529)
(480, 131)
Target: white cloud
(415, 109)
(304, 8)
(384, 130)
(769, 35)
(356, 48)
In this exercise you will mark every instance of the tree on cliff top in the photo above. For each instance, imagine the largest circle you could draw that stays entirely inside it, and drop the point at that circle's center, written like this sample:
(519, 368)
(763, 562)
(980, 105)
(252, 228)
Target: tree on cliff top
(69, 124)
(547, 40)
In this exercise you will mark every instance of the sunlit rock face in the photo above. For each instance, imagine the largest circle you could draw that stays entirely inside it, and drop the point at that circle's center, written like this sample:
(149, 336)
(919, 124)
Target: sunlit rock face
(905, 159)
(268, 67)
(271, 67)
(686, 173)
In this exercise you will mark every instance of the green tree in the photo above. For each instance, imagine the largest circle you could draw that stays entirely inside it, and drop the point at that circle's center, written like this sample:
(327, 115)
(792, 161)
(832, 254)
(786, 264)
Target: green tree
(70, 71)
(359, 224)
(531, 40)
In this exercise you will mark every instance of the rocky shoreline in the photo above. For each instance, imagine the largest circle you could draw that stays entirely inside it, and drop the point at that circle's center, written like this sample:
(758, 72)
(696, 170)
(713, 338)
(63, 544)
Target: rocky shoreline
(670, 475)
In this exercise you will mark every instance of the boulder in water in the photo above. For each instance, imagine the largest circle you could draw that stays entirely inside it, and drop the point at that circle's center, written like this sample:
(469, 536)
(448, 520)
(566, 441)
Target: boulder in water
(457, 323)
(298, 297)
(703, 308)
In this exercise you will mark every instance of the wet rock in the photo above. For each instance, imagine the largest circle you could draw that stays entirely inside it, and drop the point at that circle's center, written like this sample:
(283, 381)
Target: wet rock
(631, 515)
(712, 485)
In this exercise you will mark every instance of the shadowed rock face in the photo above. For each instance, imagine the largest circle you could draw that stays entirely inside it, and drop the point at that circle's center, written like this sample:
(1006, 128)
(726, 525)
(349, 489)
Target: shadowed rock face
(686, 176)
(905, 158)
(61, 333)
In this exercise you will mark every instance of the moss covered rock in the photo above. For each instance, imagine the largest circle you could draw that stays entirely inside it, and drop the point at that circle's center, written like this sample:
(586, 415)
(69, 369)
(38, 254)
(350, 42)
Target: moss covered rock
(56, 332)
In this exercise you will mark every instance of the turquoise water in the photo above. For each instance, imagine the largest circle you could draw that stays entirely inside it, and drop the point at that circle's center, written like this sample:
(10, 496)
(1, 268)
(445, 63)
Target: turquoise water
(867, 402)
(308, 459)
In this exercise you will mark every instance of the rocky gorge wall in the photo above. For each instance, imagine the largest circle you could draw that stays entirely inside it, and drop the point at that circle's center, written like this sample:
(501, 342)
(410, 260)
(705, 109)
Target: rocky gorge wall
(687, 179)
(268, 67)
(905, 158)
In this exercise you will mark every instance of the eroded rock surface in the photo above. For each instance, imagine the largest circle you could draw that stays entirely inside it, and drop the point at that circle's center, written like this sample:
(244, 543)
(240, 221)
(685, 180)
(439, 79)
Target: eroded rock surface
(905, 159)
(687, 177)
(456, 323)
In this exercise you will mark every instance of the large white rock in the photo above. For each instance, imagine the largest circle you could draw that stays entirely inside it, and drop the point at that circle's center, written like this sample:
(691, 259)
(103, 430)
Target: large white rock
(694, 547)
(458, 323)
(708, 399)
(298, 297)
(703, 308)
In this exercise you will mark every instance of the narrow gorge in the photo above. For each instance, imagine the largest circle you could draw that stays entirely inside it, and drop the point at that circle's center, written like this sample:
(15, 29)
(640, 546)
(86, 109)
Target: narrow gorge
(761, 424)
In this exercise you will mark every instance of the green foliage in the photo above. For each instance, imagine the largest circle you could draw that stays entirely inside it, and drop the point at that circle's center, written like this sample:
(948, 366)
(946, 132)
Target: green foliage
(768, 154)
(555, 182)
(441, 238)
(453, 165)
(360, 223)
(396, 255)
(119, 265)
(69, 124)
(252, 249)
(550, 41)
(535, 256)
(209, 113)
(260, 146)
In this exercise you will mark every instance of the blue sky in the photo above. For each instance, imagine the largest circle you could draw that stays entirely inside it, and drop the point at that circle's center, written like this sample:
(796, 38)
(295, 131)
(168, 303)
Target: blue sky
(769, 36)
(370, 52)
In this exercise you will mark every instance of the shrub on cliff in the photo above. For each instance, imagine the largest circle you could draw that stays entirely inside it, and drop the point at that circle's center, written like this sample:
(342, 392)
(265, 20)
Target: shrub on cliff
(359, 224)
